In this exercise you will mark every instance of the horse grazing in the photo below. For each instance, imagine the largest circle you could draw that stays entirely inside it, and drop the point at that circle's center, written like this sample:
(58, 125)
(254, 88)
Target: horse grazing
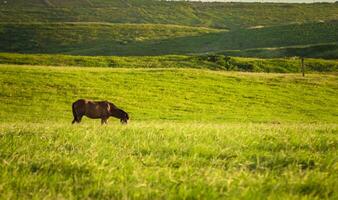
(97, 110)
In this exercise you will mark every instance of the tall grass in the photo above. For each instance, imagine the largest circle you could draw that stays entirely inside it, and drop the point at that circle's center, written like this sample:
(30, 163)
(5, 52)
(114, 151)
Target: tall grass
(168, 161)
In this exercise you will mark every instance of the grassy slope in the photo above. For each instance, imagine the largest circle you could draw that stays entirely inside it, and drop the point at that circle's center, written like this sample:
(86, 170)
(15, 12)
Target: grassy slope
(128, 39)
(173, 94)
(214, 62)
(192, 135)
(88, 37)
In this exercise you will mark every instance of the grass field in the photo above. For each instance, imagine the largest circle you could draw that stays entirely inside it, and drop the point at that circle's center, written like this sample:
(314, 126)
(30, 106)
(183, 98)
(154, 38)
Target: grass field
(156, 160)
(206, 121)
(169, 94)
(193, 134)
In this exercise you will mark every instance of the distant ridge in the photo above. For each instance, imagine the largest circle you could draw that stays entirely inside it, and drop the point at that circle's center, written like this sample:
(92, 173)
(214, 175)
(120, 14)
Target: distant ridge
(214, 15)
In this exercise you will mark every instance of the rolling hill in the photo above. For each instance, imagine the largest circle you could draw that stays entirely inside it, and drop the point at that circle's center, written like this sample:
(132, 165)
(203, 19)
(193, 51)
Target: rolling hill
(155, 39)
(98, 27)
(216, 15)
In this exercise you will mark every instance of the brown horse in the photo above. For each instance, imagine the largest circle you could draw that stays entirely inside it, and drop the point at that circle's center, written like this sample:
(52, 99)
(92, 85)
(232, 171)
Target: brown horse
(97, 110)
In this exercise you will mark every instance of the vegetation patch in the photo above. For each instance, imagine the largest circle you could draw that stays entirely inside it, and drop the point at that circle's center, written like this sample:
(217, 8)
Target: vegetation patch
(210, 61)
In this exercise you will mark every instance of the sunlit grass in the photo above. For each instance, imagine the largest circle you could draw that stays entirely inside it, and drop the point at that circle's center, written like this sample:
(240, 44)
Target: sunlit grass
(193, 134)
(46, 93)
(168, 160)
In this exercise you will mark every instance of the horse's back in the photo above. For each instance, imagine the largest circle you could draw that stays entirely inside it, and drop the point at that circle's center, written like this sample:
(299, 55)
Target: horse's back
(92, 109)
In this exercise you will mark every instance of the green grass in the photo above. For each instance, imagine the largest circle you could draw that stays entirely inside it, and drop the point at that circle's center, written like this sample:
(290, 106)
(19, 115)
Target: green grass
(197, 130)
(168, 161)
(169, 94)
(211, 61)
(193, 134)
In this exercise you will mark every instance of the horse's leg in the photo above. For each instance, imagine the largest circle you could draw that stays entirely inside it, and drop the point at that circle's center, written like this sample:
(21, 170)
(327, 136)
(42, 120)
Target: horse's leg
(104, 120)
(79, 118)
(75, 114)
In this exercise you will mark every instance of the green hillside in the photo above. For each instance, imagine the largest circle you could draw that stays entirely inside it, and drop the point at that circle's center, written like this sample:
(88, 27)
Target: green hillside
(217, 15)
(89, 38)
(149, 27)
(142, 39)
(193, 134)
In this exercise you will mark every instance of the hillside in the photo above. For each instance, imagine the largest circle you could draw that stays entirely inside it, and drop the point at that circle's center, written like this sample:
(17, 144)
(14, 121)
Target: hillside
(216, 15)
(149, 27)
(89, 38)
(145, 39)
(217, 96)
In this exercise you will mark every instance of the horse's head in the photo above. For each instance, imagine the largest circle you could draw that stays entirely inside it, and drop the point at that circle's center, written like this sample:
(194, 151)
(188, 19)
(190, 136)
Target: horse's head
(120, 114)
(124, 117)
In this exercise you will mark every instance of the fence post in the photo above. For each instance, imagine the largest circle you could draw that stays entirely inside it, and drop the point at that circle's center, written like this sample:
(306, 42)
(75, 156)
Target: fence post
(303, 67)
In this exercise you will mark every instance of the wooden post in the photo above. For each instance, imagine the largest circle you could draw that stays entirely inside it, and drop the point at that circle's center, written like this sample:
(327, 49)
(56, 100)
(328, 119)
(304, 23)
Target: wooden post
(303, 68)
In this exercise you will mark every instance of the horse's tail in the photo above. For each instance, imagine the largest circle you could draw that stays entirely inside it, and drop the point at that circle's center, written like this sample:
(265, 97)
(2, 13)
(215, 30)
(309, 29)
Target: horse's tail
(74, 113)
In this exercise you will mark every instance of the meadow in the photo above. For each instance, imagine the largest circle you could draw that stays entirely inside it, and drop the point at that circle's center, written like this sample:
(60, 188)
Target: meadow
(157, 160)
(209, 117)
(193, 133)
